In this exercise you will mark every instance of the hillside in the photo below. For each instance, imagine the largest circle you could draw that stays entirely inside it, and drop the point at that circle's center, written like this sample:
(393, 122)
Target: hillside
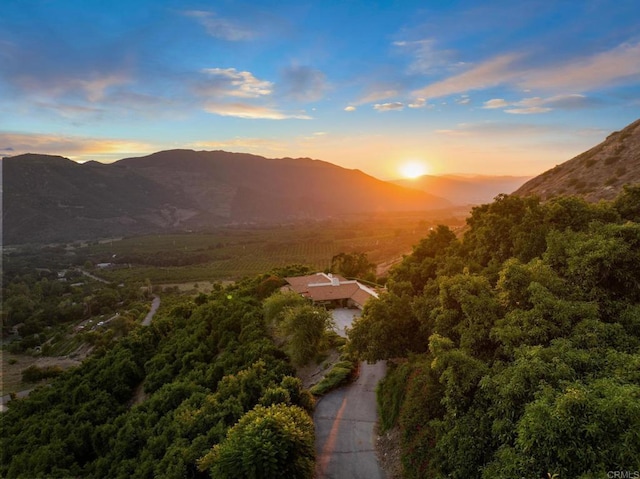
(157, 399)
(514, 349)
(48, 198)
(465, 190)
(599, 173)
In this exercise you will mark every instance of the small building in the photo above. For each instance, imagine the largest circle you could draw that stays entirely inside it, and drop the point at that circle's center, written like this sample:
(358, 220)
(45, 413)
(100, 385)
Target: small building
(331, 289)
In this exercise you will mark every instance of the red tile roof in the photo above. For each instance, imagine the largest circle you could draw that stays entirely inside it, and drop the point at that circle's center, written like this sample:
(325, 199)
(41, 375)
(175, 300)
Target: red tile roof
(327, 287)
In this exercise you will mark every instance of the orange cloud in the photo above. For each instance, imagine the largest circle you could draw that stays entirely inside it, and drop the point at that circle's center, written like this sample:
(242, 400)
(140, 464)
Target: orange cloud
(244, 110)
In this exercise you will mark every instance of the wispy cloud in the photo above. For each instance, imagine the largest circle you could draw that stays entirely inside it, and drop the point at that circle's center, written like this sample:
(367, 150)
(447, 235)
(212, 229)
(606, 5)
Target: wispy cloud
(396, 105)
(420, 103)
(585, 74)
(302, 83)
(219, 27)
(377, 95)
(486, 130)
(96, 87)
(534, 105)
(350, 108)
(69, 110)
(574, 101)
(427, 59)
(495, 103)
(73, 147)
(529, 110)
(222, 82)
(42, 64)
(256, 145)
(93, 87)
(488, 74)
(244, 110)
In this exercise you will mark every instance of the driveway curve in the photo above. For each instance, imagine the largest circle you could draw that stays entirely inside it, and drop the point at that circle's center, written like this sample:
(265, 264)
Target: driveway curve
(345, 428)
(155, 304)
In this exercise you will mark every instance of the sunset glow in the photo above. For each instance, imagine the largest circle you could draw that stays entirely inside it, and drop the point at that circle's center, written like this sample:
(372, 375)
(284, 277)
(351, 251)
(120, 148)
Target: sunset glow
(413, 169)
(452, 81)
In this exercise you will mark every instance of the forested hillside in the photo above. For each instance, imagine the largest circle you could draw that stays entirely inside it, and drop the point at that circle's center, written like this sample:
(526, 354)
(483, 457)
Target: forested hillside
(202, 392)
(516, 347)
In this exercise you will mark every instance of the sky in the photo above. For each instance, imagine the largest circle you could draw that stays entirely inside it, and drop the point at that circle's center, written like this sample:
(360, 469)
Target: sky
(479, 87)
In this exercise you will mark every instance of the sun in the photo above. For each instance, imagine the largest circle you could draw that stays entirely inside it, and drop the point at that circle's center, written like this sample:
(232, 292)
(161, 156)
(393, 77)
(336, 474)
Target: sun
(413, 169)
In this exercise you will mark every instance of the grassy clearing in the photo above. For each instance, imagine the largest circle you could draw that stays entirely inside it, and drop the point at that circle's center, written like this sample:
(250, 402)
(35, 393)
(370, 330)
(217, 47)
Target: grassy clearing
(14, 364)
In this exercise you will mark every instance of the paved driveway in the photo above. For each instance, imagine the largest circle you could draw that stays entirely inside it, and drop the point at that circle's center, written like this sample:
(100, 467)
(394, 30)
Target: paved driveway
(343, 318)
(345, 423)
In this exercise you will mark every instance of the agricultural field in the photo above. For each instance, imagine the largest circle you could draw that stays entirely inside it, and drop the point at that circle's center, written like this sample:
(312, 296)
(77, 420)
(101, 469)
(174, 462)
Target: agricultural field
(55, 291)
(234, 253)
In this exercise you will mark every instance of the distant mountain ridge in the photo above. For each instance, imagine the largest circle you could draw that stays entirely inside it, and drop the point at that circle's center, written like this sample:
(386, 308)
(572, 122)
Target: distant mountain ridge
(599, 173)
(51, 198)
(465, 190)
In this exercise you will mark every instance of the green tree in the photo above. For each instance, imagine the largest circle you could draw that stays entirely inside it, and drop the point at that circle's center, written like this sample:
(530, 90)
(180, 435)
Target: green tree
(305, 327)
(388, 328)
(276, 304)
(581, 429)
(267, 443)
(18, 308)
(425, 261)
(499, 230)
(628, 203)
(467, 310)
(353, 265)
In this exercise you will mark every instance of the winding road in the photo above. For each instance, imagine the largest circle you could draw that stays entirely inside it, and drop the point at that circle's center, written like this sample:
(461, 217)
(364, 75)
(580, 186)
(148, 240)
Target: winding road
(345, 428)
(155, 304)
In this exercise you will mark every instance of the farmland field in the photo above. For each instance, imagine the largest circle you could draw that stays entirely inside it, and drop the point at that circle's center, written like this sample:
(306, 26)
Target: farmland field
(234, 253)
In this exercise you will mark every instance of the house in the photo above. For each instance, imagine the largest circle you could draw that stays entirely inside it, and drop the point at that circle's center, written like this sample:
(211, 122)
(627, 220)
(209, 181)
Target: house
(331, 289)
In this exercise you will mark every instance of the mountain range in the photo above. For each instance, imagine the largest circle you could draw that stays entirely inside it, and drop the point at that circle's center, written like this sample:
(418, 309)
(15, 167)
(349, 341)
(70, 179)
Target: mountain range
(51, 198)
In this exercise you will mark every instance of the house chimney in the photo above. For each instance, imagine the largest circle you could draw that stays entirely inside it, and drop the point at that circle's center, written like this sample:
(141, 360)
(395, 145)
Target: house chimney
(335, 281)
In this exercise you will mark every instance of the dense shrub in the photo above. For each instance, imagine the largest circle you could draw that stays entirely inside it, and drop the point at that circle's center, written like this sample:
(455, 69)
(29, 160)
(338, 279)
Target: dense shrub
(268, 442)
(530, 325)
(157, 400)
(341, 373)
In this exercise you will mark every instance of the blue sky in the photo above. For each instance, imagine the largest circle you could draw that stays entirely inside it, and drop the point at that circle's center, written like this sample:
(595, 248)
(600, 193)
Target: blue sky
(497, 87)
